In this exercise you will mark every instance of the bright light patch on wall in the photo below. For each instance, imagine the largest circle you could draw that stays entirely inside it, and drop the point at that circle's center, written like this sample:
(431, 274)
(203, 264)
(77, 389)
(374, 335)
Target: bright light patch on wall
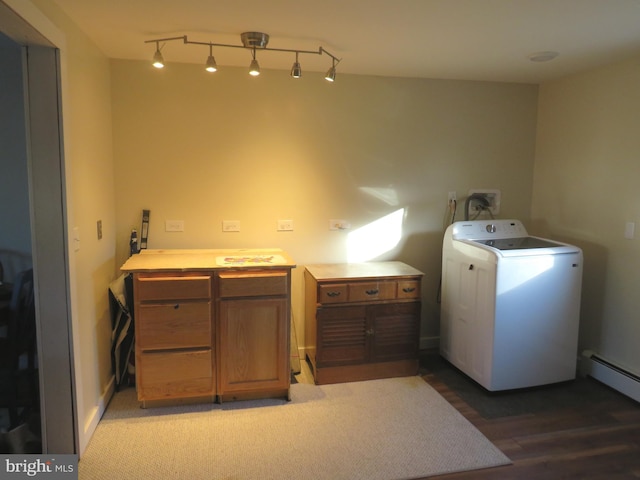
(376, 238)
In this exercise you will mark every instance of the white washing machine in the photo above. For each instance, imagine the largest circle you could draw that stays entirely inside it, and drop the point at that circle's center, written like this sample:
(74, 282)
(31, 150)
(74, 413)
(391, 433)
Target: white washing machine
(510, 304)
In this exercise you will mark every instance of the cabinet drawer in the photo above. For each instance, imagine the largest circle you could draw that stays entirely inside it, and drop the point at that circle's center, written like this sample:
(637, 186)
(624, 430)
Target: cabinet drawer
(176, 325)
(174, 374)
(253, 284)
(409, 289)
(158, 287)
(333, 293)
(362, 292)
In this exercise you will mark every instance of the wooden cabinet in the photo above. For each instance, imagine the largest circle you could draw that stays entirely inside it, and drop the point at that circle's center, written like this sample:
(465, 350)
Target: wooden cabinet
(362, 321)
(253, 346)
(174, 337)
(211, 324)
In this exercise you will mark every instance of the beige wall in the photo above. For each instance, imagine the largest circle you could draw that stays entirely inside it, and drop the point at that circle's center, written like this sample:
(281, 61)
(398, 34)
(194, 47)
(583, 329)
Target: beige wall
(90, 197)
(201, 148)
(586, 190)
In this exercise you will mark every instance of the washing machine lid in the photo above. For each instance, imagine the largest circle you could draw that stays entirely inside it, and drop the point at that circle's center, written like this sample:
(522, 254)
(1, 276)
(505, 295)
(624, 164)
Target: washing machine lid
(519, 243)
(505, 238)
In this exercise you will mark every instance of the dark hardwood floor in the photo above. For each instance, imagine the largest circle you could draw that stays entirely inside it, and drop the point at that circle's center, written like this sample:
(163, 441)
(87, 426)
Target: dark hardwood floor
(595, 437)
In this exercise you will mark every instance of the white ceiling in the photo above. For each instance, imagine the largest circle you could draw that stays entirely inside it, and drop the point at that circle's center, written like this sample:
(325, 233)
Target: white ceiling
(454, 39)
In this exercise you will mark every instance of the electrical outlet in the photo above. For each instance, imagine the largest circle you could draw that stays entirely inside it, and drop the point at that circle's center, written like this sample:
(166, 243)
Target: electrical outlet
(231, 225)
(285, 225)
(174, 225)
(451, 197)
(99, 229)
(339, 225)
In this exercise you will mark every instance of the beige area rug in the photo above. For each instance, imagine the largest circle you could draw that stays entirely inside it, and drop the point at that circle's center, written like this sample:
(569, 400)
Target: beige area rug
(391, 429)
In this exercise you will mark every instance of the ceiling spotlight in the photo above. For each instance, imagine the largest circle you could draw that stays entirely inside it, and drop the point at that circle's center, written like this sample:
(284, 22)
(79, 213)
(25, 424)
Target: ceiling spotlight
(254, 68)
(211, 62)
(296, 70)
(158, 61)
(331, 73)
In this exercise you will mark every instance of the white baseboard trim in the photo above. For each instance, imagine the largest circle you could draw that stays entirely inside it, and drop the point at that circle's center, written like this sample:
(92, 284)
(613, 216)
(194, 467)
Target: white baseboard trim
(95, 415)
(607, 372)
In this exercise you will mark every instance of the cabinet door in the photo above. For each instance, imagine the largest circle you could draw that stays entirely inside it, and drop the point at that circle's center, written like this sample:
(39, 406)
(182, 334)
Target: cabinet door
(254, 344)
(342, 335)
(396, 331)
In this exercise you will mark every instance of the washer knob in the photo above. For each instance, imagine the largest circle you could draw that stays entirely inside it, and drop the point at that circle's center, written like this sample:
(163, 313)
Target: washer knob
(491, 228)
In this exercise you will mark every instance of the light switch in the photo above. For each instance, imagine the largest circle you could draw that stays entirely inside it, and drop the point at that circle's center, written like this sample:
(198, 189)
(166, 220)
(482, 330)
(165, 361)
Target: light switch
(76, 239)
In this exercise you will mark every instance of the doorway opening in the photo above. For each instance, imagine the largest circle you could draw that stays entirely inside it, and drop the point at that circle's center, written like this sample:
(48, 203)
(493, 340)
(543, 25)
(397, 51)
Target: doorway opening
(41, 157)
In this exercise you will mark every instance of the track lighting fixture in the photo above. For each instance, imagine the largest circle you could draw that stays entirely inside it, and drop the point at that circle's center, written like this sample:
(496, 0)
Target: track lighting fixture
(211, 66)
(296, 70)
(253, 41)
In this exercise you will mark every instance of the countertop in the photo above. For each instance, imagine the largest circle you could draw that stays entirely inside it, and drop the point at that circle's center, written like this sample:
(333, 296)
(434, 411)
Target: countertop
(158, 260)
(347, 271)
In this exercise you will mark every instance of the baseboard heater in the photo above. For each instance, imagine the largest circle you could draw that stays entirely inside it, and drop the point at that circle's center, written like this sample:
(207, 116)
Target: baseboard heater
(611, 374)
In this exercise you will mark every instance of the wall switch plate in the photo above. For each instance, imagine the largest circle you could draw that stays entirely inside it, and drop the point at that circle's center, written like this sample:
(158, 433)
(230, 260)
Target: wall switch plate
(285, 225)
(76, 239)
(630, 230)
(231, 225)
(174, 225)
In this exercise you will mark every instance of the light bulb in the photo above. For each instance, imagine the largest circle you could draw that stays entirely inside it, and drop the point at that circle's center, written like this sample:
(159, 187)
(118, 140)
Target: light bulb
(331, 74)
(254, 68)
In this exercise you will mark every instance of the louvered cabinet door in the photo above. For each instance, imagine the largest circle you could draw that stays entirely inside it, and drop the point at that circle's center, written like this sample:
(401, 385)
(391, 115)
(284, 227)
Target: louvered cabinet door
(342, 336)
(395, 331)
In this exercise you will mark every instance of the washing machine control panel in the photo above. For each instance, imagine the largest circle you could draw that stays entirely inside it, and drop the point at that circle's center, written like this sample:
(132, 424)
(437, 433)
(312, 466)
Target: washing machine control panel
(488, 229)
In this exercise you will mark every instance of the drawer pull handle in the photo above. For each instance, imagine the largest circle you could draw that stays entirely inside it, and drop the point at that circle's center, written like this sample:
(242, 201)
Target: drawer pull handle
(176, 306)
(372, 292)
(408, 289)
(333, 294)
(369, 332)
